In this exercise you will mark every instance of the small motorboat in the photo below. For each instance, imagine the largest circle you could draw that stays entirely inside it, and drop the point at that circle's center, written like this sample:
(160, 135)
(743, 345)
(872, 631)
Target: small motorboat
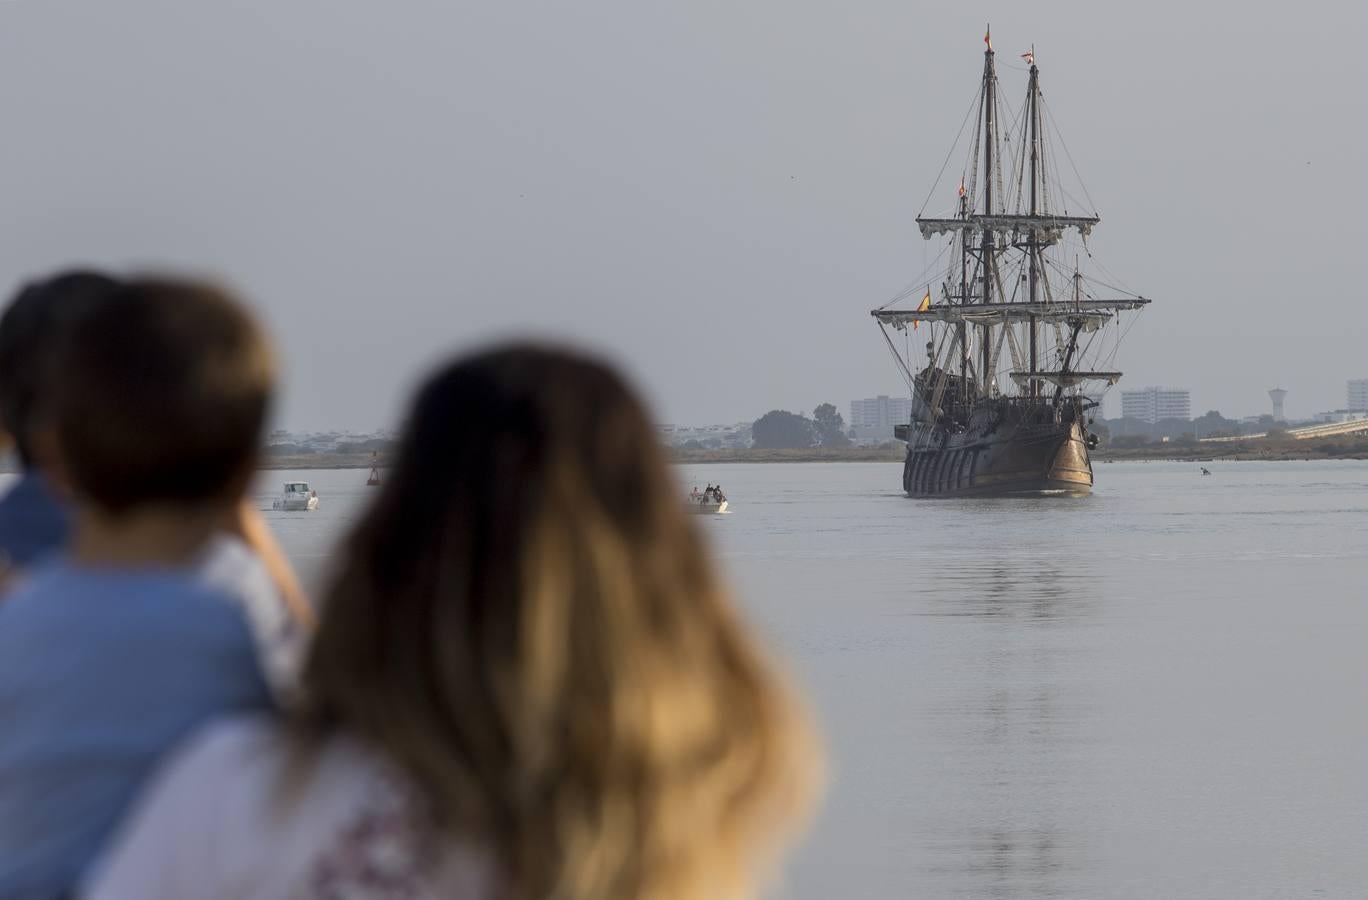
(709, 502)
(1205, 470)
(296, 497)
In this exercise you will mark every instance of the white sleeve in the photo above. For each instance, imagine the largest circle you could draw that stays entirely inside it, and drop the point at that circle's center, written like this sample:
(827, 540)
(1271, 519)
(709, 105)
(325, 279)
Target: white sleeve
(230, 566)
(172, 843)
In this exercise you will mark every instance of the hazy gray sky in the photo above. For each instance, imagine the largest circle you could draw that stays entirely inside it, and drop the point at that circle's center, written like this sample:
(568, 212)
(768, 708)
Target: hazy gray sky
(716, 193)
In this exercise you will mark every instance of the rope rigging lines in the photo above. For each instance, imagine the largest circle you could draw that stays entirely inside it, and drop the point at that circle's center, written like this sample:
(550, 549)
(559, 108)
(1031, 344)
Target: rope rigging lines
(1026, 248)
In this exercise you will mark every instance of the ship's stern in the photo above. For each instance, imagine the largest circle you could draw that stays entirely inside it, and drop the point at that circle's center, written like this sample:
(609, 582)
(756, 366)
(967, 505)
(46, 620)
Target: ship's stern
(1071, 469)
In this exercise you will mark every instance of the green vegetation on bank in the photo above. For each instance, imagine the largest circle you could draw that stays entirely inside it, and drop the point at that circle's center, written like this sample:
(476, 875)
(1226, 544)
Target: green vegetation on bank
(780, 436)
(1276, 446)
(894, 451)
(781, 430)
(322, 461)
(890, 452)
(345, 448)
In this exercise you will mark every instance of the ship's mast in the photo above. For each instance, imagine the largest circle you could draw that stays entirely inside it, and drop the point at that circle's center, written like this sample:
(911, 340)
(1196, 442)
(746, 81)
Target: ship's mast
(1033, 244)
(989, 144)
(962, 328)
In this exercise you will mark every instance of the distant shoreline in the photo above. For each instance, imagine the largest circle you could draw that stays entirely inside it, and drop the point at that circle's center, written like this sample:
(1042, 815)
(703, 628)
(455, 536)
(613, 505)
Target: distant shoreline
(1254, 451)
(1233, 452)
(812, 454)
(271, 462)
(1227, 453)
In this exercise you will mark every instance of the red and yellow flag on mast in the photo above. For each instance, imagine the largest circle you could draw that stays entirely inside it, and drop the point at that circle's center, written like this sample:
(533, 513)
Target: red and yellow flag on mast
(988, 39)
(923, 306)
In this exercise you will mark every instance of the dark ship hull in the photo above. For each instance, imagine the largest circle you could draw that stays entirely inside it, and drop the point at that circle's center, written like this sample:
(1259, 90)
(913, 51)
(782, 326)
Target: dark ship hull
(1007, 449)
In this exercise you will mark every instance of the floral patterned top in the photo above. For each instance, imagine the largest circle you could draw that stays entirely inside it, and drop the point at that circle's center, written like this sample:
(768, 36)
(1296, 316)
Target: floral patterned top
(243, 811)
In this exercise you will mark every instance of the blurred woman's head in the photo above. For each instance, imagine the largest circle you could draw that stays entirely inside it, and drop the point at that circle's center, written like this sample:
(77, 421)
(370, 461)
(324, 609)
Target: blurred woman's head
(527, 622)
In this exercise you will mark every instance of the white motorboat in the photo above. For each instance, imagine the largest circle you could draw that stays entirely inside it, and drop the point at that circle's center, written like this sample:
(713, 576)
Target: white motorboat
(296, 497)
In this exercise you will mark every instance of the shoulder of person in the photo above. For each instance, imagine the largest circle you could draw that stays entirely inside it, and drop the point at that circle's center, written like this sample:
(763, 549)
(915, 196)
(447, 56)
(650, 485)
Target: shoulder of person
(35, 593)
(179, 647)
(249, 809)
(227, 564)
(232, 746)
(231, 568)
(266, 768)
(34, 525)
(178, 641)
(196, 823)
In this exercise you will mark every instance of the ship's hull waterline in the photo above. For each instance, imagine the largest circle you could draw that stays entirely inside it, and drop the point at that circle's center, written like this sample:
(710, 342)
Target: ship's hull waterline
(1031, 460)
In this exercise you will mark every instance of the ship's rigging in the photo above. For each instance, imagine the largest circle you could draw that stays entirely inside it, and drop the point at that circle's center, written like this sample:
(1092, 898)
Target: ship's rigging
(1011, 313)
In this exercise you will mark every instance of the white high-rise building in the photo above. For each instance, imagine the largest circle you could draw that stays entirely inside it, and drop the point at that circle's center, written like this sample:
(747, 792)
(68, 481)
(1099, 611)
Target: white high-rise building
(1358, 395)
(873, 419)
(1151, 404)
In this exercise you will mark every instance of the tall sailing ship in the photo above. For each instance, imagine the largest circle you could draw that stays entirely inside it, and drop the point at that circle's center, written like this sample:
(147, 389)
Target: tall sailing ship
(1017, 340)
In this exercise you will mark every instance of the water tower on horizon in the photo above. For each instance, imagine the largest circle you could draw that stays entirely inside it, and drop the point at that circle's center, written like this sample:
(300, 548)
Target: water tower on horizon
(1277, 395)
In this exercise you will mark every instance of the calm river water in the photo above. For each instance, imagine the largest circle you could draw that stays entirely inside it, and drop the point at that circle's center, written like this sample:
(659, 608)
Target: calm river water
(1156, 691)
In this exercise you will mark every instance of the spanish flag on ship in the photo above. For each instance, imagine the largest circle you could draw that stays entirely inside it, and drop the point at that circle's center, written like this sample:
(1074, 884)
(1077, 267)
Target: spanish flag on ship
(923, 306)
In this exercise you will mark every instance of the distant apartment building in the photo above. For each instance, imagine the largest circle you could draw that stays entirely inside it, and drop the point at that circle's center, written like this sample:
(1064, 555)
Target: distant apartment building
(1151, 404)
(872, 420)
(1358, 395)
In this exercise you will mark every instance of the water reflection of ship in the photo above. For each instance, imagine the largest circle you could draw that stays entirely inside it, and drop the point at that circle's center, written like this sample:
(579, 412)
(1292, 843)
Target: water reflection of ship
(1017, 832)
(1006, 284)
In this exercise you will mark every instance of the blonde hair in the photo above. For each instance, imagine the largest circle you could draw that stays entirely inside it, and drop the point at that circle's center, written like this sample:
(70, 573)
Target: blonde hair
(528, 624)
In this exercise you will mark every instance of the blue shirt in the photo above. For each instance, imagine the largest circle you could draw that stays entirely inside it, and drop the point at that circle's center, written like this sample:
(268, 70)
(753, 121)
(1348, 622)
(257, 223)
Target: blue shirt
(101, 672)
(33, 522)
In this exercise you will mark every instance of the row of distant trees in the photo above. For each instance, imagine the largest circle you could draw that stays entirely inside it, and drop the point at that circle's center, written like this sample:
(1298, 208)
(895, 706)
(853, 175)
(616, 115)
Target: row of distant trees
(782, 430)
(373, 445)
(1122, 433)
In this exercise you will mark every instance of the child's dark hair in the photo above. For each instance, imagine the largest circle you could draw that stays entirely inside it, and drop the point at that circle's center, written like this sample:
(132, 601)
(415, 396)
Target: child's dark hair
(165, 389)
(32, 330)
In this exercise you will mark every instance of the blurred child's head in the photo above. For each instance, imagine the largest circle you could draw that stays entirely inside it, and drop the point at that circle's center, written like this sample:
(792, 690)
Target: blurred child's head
(33, 328)
(163, 392)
